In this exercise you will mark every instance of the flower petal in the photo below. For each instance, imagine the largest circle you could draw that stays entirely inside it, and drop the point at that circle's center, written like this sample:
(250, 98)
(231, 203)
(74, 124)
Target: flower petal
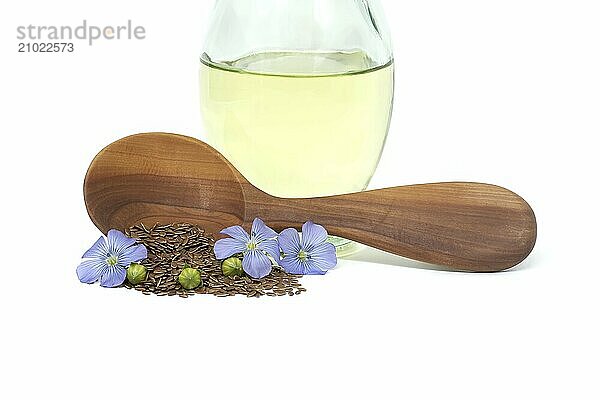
(227, 247)
(113, 276)
(89, 271)
(312, 235)
(260, 231)
(311, 268)
(256, 264)
(323, 256)
(98, 250)
(117, 241)
(289, 241)
(292, 265)
(132, 254)
(237, 232)
(271, 247)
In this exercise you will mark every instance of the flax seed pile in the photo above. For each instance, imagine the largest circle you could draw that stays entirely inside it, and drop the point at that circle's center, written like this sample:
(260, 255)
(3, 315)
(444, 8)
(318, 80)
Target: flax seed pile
(173, 247)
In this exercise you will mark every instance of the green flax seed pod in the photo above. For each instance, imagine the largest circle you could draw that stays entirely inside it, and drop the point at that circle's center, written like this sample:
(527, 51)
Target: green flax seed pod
(232, 267)
(190, 278)
(136, 273)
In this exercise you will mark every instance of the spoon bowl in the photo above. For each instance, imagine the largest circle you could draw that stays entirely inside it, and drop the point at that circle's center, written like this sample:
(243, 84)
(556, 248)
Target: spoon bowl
(146, 179)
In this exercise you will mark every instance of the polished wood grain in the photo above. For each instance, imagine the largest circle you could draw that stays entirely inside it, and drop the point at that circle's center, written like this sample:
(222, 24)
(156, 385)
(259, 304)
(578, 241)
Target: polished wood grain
(167, 178)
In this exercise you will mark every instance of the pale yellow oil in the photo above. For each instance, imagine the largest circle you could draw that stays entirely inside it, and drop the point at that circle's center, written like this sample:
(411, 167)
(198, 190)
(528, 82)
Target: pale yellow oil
(299, 124)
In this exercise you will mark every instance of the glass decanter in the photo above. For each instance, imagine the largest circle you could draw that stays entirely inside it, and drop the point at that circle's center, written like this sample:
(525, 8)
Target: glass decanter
(297, 94)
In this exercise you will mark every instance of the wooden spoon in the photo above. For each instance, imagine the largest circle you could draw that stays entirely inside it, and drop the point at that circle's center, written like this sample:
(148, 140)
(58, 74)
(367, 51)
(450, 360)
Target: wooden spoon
(167, 178)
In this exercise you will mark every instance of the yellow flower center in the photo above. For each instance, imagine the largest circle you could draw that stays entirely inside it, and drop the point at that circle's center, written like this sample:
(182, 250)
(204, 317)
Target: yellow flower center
(112, 261)
(302, 255)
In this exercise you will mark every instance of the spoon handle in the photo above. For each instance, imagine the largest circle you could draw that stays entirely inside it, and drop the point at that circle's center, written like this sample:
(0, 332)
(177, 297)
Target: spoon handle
(464, 226)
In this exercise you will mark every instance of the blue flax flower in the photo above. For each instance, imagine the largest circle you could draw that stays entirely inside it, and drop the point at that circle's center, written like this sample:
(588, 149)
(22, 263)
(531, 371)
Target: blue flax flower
(108, 259)
(255, 247)
(311, 255)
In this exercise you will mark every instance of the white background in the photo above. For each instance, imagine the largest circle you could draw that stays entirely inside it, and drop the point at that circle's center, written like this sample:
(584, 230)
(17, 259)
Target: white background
(506, 92)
